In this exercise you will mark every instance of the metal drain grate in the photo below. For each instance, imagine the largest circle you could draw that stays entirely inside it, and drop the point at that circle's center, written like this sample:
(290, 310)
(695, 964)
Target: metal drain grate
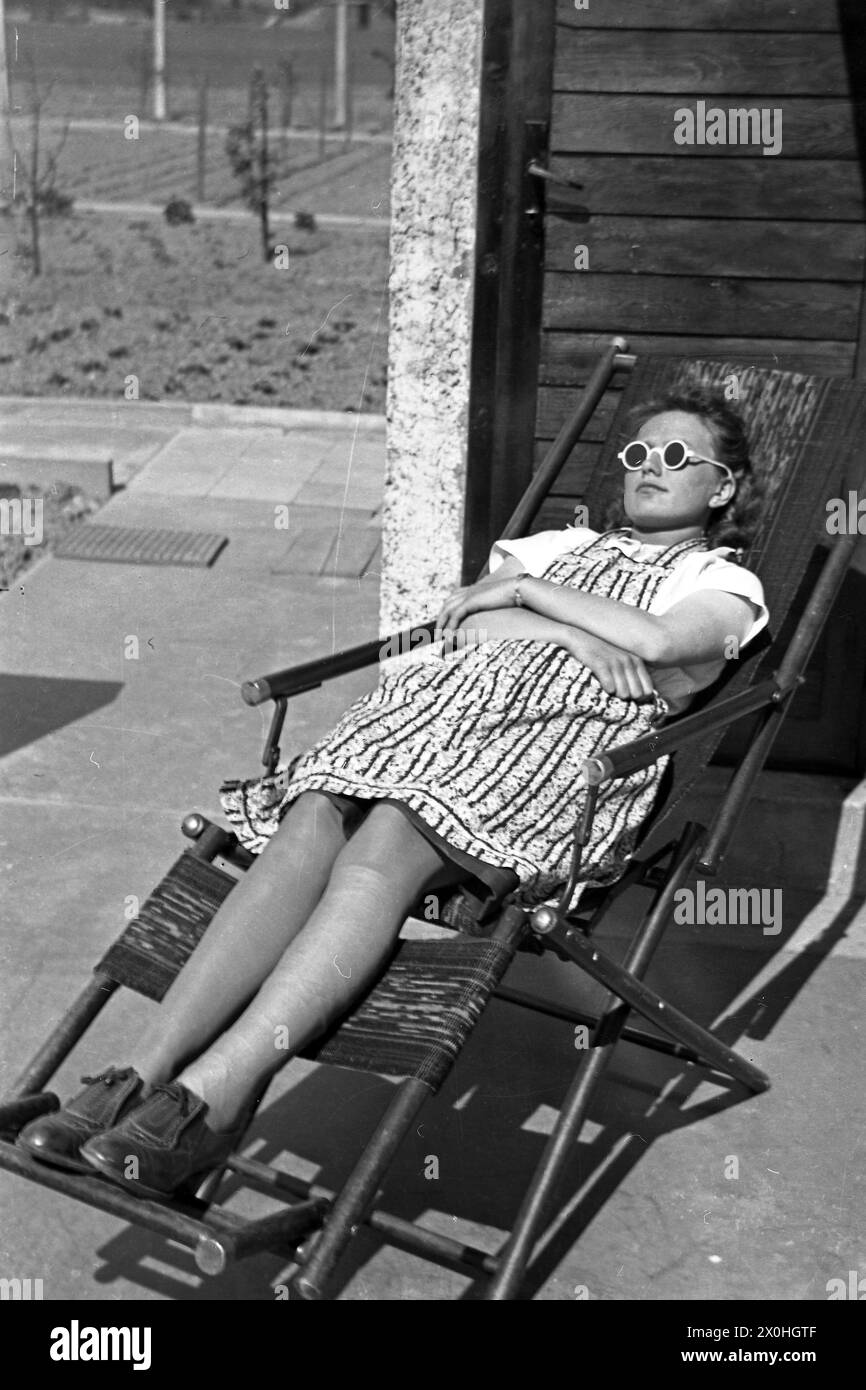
(132, 545)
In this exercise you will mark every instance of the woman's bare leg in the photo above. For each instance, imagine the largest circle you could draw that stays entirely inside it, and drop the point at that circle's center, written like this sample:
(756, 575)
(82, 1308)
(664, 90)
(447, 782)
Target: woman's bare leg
(246, 938)
(374, 882)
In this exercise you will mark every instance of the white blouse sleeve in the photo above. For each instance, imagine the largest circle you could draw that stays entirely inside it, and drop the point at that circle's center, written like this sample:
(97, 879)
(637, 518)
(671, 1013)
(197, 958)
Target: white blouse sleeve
(536, 552)
(717, 573)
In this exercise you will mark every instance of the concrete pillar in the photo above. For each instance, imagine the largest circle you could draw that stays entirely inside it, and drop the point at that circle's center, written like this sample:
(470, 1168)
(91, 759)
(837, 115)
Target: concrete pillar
(434, 182)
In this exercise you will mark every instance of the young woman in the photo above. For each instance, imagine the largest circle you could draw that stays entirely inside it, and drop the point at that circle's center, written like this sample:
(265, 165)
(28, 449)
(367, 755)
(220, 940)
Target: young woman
(463, 769)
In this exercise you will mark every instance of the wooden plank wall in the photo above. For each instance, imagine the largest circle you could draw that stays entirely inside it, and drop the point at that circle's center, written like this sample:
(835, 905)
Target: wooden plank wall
(703, 249)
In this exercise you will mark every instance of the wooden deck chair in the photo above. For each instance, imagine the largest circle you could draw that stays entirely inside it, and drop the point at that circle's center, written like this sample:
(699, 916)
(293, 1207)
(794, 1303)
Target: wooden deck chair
(806, 434)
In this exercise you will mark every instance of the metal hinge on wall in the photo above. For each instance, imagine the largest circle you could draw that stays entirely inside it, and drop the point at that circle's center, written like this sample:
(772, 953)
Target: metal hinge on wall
(560, 204)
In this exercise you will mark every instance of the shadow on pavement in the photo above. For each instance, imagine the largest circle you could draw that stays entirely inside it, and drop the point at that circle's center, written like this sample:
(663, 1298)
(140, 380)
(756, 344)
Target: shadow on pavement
(34, 706)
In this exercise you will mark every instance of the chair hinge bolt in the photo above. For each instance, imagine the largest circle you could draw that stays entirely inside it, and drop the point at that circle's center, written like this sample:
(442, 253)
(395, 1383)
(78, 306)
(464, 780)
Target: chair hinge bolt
(544, 919)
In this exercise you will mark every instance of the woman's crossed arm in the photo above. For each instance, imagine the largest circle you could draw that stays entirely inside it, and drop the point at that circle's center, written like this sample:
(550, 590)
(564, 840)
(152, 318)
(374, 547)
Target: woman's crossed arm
(616, 640)
(619, 671)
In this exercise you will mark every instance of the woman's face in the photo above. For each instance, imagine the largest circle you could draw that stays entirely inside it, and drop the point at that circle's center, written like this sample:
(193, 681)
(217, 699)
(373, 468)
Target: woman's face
(661, 499)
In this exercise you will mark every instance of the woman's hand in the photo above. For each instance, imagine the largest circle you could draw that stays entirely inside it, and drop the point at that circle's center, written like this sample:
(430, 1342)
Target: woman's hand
(618, 671)
(477, 598)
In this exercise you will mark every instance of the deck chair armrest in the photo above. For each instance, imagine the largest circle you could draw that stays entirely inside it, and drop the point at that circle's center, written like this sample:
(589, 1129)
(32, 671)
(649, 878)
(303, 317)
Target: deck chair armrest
(643, 752)
(294, 680)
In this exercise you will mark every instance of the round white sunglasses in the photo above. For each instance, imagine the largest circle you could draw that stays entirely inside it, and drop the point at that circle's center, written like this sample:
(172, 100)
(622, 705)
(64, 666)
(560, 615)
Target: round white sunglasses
(675, 454)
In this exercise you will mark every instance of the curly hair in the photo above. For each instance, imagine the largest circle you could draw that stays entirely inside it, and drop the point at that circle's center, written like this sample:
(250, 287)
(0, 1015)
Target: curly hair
(735, 523)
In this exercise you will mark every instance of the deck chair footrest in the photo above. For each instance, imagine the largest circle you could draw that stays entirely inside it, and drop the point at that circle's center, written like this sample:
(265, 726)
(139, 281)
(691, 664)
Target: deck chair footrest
(417, 1019)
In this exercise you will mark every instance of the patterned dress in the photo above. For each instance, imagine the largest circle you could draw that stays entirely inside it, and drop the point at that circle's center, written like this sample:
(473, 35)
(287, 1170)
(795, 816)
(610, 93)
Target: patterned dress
(482, 750)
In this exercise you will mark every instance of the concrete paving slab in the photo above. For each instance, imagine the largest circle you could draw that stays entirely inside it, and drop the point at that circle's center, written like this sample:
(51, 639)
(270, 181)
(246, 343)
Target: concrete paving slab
(263, 478)
(352, 552)
(302, 449)
(345, 552)
(248, 464)
(306, 553)
(343, 481)
(193, 459)
(280, 468)
(355, 453)
(171, 477)
(334, 515)
(353, 494)
(174, 611)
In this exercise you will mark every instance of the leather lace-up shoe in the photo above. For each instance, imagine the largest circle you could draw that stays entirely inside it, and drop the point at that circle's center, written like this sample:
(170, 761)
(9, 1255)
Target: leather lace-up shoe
(163, 1144)
(57, 1138)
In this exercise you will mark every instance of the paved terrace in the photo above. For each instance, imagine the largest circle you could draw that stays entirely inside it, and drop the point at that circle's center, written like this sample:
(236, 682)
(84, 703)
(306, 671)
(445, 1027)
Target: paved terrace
(103, 755)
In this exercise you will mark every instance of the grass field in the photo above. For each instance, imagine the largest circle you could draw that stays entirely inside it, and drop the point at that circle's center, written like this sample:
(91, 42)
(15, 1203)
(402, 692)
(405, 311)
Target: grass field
(193, 312)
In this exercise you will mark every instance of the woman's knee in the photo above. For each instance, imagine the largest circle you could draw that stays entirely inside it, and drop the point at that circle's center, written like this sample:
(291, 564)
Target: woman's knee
(389, 848)
(311, 808)
(306, 842)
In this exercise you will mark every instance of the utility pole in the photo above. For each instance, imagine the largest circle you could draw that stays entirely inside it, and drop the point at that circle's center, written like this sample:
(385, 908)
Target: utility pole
(341, 65)
(6, 150)
(159, 60)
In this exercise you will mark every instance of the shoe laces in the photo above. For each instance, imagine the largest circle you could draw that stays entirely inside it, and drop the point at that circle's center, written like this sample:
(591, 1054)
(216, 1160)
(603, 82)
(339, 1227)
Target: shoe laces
(108, 1077)
(178, 1094)
(168, 1107)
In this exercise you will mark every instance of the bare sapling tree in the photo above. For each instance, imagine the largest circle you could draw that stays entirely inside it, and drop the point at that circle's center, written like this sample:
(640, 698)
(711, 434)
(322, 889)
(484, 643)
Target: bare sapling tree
(249, 152)
(37, 168)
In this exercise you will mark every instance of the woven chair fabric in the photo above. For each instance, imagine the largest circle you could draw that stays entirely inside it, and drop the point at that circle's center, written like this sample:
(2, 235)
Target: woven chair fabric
(170, 924)
(417, 1019)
